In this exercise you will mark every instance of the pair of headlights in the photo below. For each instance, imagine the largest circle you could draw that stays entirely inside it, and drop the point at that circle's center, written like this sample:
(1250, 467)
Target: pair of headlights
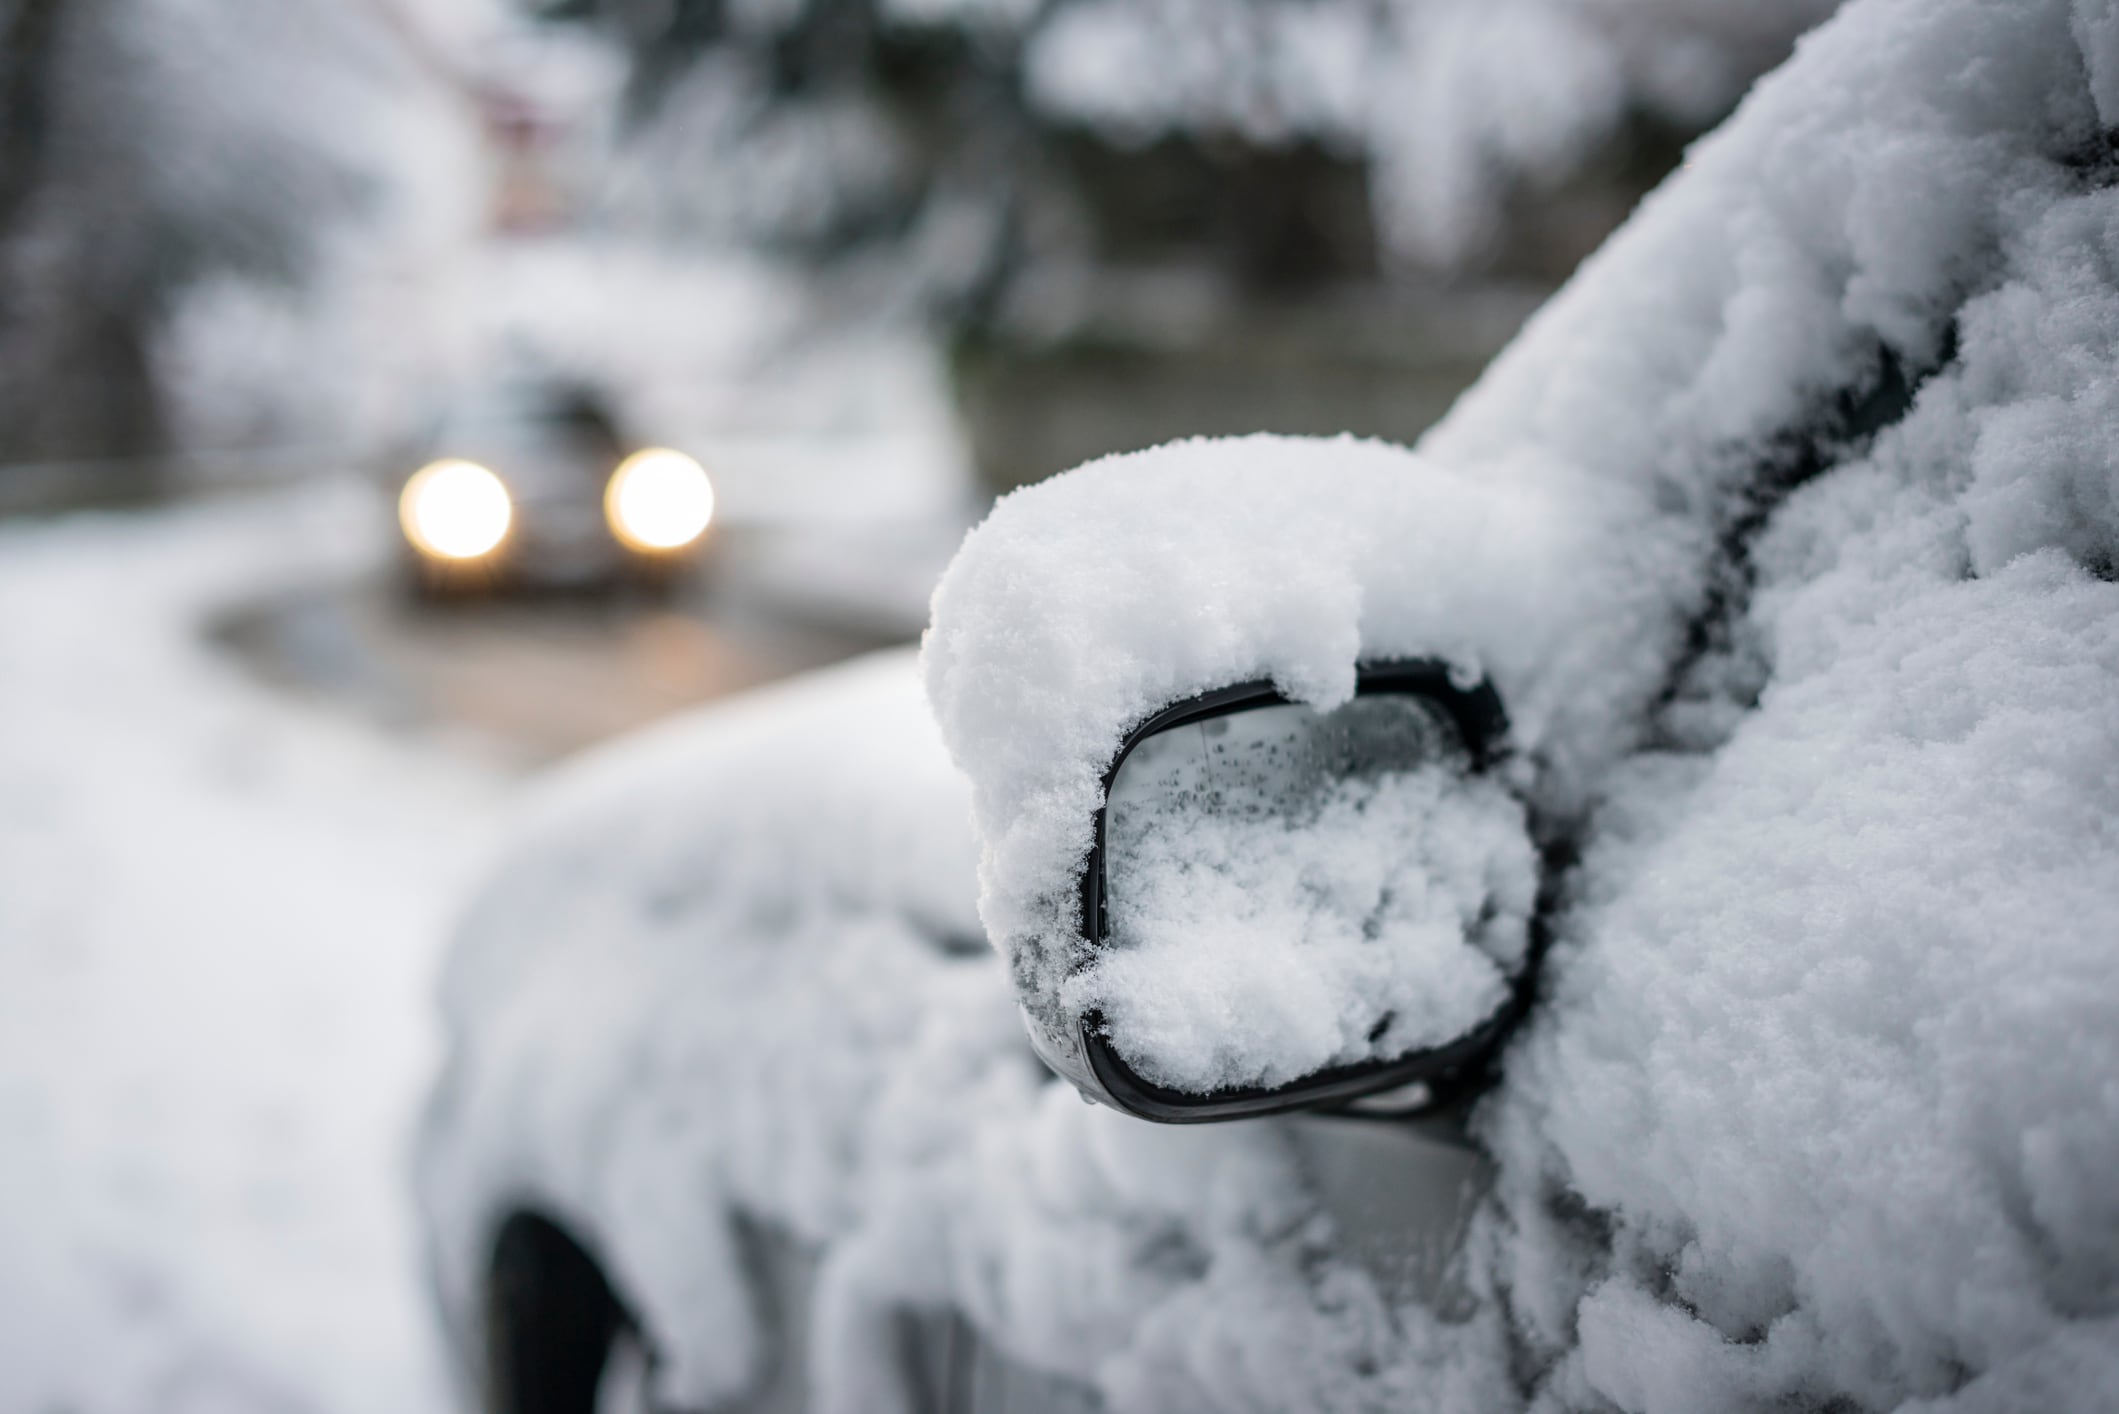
(656, 502)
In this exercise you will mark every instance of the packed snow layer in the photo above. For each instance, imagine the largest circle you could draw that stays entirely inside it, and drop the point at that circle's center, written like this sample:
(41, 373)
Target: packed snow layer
(220, 916)
(1269, 916)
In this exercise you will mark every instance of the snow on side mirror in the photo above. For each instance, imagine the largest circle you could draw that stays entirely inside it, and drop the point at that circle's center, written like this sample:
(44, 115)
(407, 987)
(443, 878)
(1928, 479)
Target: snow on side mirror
(1287, 908)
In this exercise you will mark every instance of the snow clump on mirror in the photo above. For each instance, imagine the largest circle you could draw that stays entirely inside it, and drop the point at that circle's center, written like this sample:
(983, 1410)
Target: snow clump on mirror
(1085, 605)
(1288, 890)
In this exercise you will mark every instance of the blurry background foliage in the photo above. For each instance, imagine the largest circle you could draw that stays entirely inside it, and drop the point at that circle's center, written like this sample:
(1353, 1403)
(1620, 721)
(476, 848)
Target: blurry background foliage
(1122, 220)
(1133, 219)
(142, 152)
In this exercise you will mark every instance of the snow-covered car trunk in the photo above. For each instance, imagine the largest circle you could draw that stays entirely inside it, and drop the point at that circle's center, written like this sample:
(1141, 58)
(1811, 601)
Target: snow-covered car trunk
(1787, 536)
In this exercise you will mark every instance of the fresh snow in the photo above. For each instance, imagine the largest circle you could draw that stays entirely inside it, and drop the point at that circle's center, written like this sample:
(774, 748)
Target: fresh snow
(1261, 557)
(731, 975)
(1818, 1106)
(218, 935)
(713, 948)
(1818, 686)
(1363, 898)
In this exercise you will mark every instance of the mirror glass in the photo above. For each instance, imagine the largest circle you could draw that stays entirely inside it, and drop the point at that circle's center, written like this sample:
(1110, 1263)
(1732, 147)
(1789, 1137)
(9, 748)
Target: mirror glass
(1288, 890)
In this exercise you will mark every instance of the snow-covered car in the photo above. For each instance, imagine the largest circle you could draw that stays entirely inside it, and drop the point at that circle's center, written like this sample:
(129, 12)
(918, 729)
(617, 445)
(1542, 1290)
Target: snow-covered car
(526, 481)
(1666, 962)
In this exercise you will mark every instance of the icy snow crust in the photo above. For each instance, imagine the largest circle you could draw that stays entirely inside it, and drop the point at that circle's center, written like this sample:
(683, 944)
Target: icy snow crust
(1346, 916)
(1817, 1108)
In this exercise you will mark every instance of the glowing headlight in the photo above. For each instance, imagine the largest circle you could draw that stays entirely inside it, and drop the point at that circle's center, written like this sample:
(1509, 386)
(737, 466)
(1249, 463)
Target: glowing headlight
(658, 500)
(454, 510)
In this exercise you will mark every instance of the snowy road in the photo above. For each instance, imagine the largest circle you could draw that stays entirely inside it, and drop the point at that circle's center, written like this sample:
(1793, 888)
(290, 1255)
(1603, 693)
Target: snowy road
(533, 680)
(219, 919)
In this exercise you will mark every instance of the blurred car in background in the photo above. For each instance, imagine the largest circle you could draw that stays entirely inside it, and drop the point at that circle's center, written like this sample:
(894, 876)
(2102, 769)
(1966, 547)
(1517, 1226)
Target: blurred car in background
(530, 483)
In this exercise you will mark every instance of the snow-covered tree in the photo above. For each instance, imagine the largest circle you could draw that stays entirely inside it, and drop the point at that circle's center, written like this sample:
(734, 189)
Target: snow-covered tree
(1292, 138)
(150, 145)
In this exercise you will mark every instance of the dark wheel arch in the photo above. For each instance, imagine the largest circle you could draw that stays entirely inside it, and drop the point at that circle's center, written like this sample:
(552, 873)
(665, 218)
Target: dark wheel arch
(551, 1317)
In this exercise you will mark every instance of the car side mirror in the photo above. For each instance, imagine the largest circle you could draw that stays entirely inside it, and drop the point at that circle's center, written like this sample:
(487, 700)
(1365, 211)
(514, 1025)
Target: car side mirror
(1289, 908)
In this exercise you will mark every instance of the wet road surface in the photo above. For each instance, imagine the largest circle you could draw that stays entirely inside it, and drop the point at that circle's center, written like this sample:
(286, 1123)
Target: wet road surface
(533, 679)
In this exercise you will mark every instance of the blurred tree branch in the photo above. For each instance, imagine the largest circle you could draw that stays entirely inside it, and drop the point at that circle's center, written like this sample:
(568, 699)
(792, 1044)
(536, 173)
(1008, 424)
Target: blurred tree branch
(141, 151)
(27, 36)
